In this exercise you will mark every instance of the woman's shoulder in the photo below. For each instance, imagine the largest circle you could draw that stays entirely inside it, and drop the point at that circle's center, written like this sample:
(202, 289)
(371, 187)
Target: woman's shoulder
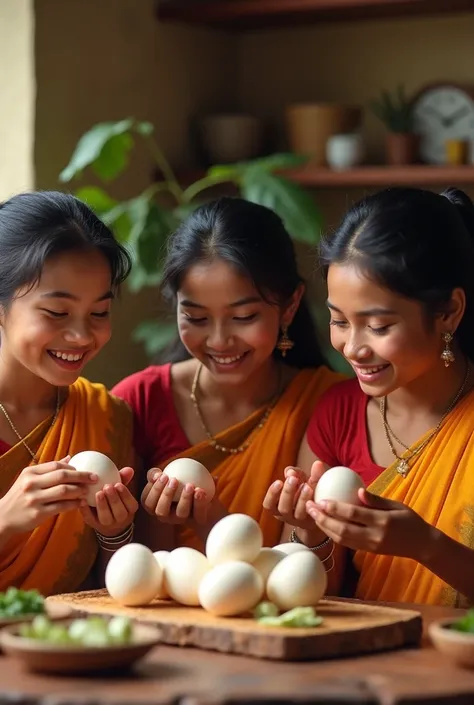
(139, 385)
(342, 396)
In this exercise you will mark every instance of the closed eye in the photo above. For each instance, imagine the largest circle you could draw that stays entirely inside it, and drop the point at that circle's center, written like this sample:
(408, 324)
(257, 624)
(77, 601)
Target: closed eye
(244, 319)
(338, 324)
(101, 314)
(195, 321)
(381, 330)
(54, 314)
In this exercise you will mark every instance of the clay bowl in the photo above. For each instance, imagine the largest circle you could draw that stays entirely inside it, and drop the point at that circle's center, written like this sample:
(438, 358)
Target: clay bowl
(44, 657)
(459, 646)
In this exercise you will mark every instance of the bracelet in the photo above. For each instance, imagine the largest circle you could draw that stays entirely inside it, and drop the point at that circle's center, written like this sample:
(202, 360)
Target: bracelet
(112, 543)
(294, 539)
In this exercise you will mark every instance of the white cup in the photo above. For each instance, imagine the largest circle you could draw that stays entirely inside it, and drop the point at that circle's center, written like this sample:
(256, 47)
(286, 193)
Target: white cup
(344, 151)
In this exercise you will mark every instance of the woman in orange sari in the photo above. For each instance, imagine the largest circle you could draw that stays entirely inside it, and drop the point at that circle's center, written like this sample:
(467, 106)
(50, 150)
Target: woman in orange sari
(59, 269)
(240, 395)
(400, 274)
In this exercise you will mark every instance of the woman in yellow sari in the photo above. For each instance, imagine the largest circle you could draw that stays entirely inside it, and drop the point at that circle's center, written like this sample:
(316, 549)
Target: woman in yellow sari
(240, 395)
(59, 269)
(401, 296)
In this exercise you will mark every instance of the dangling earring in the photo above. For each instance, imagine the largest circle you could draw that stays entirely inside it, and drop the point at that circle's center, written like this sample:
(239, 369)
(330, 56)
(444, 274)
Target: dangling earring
(284, 344)
(447, 355)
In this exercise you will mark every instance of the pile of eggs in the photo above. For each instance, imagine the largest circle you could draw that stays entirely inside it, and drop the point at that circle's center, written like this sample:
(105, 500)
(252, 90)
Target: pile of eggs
(231, 578)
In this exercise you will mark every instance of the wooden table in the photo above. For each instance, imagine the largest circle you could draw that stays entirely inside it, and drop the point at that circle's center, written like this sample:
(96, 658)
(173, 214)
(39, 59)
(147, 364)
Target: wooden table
(171, 675)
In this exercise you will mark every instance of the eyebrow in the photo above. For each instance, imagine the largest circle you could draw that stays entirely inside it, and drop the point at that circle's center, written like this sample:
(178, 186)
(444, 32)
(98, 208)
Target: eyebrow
(71, 297)
(235, 304)
(376, 311)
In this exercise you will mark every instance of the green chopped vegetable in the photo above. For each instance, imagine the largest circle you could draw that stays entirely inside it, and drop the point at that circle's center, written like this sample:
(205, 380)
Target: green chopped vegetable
(297, 617)
(466, 623)
(93, 631)
(266, 609)
(15, 602)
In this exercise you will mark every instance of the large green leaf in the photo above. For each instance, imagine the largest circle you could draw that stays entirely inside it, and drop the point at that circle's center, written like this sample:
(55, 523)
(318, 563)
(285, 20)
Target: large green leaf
(96, 198)
(92, 150)
(293, 204)
(279, 161)
(155, 335)
(113, 213)
(151, 242)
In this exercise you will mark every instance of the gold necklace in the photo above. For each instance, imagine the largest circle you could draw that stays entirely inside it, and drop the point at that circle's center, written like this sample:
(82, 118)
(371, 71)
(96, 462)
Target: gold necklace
(249, 439)
(402, 465)
(18, 434)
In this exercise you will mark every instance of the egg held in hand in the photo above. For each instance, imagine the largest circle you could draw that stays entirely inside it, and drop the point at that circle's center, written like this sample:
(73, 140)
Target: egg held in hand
(230, 589)
(133, 575)
(289, 548)
(236, 537)
(101, 465)
(188, 470)
(184, 569)
(339, 484)
(299, 580)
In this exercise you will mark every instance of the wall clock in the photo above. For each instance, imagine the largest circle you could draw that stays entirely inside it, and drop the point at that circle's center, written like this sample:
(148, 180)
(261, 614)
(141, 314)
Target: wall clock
(441, 112)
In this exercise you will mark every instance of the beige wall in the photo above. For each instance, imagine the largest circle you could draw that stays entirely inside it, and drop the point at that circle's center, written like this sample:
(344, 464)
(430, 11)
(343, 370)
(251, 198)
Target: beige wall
(17, 81)
(105, 60)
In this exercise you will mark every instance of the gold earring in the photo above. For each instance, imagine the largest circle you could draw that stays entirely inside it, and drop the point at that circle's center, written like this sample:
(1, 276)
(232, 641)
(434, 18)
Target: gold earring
(447, 355)
(284, 344)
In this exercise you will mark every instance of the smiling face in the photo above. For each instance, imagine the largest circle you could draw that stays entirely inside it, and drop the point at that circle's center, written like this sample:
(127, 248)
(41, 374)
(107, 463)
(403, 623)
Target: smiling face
(387, 338)
(62, 322)
(224, 322)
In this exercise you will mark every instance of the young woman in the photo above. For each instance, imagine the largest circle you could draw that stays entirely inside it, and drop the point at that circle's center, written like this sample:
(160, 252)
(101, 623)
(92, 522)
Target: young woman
(401, 297)
(251, 370)
(59, 269)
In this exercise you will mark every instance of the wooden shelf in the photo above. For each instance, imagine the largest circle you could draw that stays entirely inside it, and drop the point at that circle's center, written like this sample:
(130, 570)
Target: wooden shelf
(415, 175)
(360, 177)
(252, 14)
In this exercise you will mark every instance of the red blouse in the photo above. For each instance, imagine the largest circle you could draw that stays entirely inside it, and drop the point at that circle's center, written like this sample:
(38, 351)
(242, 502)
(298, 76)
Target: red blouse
(337, 431)
(158, 434)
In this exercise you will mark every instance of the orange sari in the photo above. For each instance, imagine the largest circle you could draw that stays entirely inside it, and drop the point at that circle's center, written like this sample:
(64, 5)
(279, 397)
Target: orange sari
(244, 478)
(58, 555)
(439, 487)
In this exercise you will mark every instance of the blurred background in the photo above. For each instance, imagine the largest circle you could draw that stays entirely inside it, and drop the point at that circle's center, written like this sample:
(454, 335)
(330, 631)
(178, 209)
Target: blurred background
(367, 92)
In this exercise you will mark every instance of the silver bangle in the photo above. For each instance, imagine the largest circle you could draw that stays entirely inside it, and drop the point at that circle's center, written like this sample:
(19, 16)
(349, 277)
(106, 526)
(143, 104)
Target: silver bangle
(112, 543)
(294, 539)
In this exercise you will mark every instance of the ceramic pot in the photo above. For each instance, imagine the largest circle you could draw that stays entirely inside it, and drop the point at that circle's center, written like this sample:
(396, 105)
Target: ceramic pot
(344, 151)
(401, 148)
(230, 138)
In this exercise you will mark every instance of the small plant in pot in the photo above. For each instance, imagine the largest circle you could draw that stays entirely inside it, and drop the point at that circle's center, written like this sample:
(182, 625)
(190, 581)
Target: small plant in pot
(396, 113)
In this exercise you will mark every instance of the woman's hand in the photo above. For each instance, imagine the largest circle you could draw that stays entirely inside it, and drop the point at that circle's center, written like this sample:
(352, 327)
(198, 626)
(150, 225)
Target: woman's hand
(378, 526)
(157, 500)
(40, 492)
(116, 507)
(287, 500)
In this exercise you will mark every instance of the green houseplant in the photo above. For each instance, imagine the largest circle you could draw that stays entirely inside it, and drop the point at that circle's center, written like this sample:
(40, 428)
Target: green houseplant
(145, 221)
(396, 113)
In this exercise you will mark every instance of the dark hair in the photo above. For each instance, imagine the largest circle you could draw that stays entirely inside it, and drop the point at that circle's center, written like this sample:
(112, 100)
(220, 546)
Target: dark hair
(416, 243)
(253, 239)
(38, 225)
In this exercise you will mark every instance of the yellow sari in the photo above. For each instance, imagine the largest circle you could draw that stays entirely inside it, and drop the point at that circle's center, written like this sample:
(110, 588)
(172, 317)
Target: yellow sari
(58, 555)
(244, 478)
(440, 488)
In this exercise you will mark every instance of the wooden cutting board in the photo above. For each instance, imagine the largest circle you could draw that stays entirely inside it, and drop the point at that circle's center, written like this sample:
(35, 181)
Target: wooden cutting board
(349, 628)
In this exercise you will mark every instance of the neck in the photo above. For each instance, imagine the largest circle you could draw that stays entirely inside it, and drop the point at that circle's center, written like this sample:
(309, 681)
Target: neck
(258, 389)
(434, 392)
(21, 390)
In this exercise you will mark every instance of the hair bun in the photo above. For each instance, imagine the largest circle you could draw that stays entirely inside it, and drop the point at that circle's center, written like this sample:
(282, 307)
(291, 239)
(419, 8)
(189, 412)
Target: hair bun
(463, 205)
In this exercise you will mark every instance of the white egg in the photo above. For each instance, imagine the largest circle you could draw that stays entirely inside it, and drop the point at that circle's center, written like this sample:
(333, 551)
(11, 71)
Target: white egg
(104, 468)
(162, 557)
(230, 589)
(289, 548)
(133, 576)
(184, 569)
(299, 580)
(188, 470)
(339, 484)
(236, 537)
(266, 561)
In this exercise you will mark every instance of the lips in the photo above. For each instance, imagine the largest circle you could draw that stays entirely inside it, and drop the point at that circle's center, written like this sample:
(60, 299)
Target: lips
(370, 370)
(227, 359)
(66, 356)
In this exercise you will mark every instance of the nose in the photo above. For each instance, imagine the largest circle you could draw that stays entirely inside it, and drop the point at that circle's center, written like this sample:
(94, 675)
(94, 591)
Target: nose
(219, 339)
(78, 332)
(355, 348)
